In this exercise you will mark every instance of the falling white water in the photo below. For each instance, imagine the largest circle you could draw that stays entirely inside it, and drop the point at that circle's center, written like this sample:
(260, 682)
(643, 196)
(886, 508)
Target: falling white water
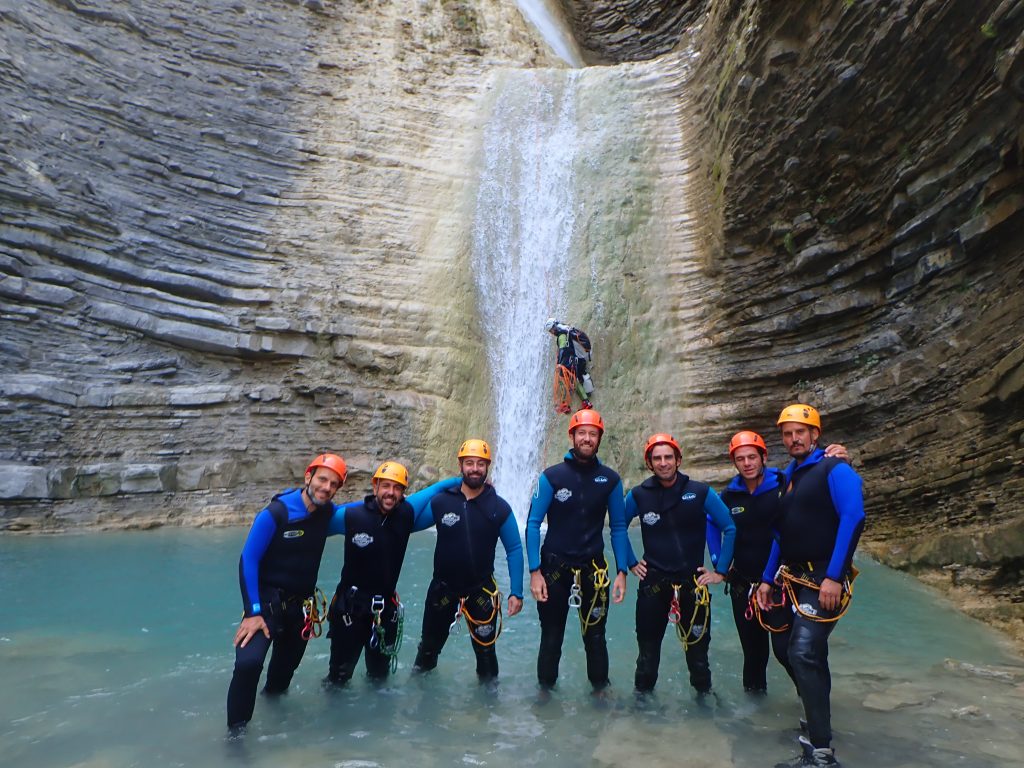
(522, 235)
(546, 19)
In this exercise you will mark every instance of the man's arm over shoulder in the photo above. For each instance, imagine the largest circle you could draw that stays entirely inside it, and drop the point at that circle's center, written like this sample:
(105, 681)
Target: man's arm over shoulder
(423, 516)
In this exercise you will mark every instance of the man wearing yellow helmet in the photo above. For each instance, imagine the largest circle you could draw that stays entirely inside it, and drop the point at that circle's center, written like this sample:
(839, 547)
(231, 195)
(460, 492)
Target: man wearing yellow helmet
(277, 573)
(365, 613)
(469, 520)
(571, 570)
(820, 521)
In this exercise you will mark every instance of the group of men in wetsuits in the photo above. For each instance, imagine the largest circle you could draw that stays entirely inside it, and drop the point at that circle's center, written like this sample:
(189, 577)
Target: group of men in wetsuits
(782, 539)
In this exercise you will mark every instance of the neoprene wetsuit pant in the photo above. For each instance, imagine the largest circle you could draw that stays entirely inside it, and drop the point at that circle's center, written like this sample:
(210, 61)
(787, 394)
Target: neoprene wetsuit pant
(285, 621)
(441, 608)
(653, 602)
(352, 631)
(805, 646)
(753, 637)
(553, 614)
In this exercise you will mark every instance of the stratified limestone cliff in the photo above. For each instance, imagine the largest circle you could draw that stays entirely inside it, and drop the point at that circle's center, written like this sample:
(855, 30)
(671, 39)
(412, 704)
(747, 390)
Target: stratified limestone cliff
(225, 244)
(864, 179)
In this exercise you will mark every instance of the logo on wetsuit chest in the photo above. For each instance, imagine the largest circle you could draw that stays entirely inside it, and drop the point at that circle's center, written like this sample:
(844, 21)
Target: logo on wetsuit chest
(293, 534)
(738, 510)
(689, 496)
(563, 494)
(450, 519)
(362, 540)
(600, 479)
(651, 518)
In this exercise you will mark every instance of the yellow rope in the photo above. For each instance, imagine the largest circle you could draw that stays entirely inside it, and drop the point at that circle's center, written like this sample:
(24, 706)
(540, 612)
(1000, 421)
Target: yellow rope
(788, 579)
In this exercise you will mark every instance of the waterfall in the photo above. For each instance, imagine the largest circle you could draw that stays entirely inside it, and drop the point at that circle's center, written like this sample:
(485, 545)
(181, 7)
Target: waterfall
(522, 235)
(546, 18)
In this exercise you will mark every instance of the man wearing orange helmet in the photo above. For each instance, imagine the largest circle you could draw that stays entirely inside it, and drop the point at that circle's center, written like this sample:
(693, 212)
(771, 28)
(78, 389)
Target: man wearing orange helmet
(277, 574)
(571, 570)
(678, 516)
(469, 520)
(754, 498)
(820, 521)
(365, 612)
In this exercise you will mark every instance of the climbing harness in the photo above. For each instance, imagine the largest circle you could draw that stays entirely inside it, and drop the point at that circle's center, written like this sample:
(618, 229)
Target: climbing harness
(695, 628)
(377, 632)
(472, 624)
(775, 610)
(594, 613)
(314, 612)
(788, 578)
(565, 385)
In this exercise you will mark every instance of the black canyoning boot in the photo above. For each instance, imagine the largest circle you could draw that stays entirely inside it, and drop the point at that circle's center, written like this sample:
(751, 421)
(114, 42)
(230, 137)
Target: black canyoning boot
(810, 756)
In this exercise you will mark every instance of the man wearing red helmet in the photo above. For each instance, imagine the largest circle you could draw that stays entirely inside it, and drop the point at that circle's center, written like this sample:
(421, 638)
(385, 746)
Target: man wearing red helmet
(754, 499)
(571, 570)
(677, 517)
(820, 521)
(277, 574)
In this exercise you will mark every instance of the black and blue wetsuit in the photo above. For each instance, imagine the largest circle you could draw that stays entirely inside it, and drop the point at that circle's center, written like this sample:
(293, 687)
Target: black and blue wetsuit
(675, 522)
(575, 496)
(467, 535)
(755, 515)
(820, 522)
(375, 546)
(276, 572)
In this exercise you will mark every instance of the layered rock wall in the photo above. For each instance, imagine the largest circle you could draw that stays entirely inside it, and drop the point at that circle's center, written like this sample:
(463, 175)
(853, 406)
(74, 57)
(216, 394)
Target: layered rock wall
(220, 248)
(864, 178)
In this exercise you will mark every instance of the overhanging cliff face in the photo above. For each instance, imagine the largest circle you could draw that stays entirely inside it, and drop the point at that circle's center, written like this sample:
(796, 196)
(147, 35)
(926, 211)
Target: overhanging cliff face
(223, 242)
(864, 175)
(862, 189)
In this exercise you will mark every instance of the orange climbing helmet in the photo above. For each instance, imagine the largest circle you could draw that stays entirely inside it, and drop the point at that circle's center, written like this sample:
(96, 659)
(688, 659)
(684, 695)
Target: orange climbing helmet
(329, 461)
(660, 438)
(586, 416)
(478, 448)
(747, 438)
(392, 470)
(801, 414)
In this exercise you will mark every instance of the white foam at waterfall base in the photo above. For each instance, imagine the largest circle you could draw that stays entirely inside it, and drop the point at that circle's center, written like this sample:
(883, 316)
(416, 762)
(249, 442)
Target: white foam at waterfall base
(522, 240)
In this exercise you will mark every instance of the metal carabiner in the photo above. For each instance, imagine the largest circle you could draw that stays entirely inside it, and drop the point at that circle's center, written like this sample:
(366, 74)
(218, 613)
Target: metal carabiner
(455, 627)
(575, 597)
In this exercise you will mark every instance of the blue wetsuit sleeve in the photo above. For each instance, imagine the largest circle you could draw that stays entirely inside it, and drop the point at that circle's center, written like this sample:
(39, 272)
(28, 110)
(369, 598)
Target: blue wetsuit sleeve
(336, 527)
(719, 517)
(509, 533)
(542, 496)
(617, 523)
(772, 565)
(631, 512)
(848, 497)
(256, 543)
(423, 517)
(714, 540)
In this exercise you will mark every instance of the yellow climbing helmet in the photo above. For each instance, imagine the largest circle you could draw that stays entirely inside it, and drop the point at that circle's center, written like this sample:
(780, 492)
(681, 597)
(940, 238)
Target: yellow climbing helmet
(392, 470)
(801, 414)
(478, 448)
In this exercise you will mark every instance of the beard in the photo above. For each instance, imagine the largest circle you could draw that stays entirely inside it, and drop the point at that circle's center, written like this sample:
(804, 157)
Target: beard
(474, 481)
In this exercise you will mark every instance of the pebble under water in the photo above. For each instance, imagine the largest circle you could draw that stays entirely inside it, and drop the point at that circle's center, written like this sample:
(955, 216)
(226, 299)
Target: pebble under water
(115, 650)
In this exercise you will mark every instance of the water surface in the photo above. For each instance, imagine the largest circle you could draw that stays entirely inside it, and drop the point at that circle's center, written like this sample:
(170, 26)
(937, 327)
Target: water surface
(115, 650)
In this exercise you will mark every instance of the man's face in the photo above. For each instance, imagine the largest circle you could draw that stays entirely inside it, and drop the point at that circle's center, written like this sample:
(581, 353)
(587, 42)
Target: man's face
(322, 484)
(665, 462)
(388, 493)
(799, 439)
(749, 462)
(586, 439)
(474, 471)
